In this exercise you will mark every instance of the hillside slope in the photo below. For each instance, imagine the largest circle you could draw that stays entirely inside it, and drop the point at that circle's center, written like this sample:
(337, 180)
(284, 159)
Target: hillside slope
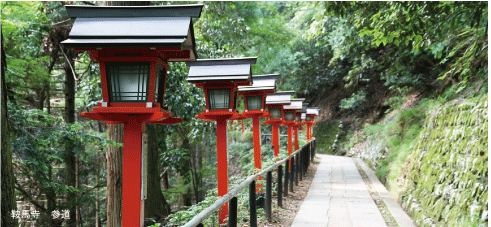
(447, 174)
(432, 155)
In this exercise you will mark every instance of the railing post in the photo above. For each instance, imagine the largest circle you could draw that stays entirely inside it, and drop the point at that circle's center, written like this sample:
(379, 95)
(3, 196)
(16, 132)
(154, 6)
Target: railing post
(294, 169)
(307, 160)
(252, 204)
(291, 174)
(297, 169)
(285, 190)
(280, 186)
(311, 156)
(300, 165)
(267, 207)
(313, 149)
(232, 212)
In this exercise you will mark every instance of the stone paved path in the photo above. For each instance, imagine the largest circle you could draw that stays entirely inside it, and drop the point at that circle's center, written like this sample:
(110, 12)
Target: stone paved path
(338, 197)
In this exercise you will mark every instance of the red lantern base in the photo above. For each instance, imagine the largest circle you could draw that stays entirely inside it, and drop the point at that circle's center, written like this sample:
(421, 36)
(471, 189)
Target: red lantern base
(275, 137)
(133, 119)
(221, 118)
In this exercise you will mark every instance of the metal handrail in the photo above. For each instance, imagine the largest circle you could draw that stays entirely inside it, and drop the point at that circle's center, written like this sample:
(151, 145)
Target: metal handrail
(232, 193)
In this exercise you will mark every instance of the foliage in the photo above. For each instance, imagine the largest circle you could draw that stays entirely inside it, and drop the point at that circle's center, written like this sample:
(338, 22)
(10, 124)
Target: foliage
(39, 147)
(355, 102)
(421, 45)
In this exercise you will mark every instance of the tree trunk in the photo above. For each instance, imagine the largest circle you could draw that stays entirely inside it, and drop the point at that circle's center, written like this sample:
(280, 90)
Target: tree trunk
(155, 205)
(8, 196)
(185, 175)
(70, 159)
(114, 160)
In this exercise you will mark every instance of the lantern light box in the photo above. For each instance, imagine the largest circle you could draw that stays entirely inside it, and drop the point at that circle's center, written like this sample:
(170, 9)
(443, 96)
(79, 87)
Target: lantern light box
(254, 98)
(219, 79)
(274, 103)
(309, 120)
(290, 111)
(133, 45)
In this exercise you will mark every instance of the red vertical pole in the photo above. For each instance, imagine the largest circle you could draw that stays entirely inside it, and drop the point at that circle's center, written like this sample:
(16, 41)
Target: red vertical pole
(257, 148)
(308, 135)
(222, 170)
(289, 142)
(132, 145)
(276, 143)
(242, 128)
(295, 129)
(310, 131)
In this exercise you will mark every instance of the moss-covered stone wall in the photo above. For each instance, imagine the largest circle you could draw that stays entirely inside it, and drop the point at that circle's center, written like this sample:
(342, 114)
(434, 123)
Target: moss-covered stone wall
(325, 134)
(446, 181)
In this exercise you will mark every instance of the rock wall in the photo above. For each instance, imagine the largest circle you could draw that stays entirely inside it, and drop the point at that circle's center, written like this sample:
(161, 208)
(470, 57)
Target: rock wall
(447, 177)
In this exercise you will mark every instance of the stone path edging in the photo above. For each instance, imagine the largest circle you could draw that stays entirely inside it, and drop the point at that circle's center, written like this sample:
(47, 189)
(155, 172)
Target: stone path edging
(402, 219)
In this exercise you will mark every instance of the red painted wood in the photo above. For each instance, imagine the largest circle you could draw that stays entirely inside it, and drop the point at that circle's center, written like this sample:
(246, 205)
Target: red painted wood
(132, 144)
(222, 169)
(206, 99)
(128, 59)
(231, 102)
(275, 139)
(289, 143)
(257, 148)
(105, 88)
(295, 129)
(130, 104)
(165, 83)
(125, 117)
(127, 109)
(152, 81)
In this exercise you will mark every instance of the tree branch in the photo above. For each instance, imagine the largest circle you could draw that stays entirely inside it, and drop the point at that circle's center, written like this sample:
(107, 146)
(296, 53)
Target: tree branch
(28, 197)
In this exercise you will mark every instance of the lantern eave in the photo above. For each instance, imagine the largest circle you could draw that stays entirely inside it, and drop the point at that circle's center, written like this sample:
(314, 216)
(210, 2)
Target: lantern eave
(191, 10)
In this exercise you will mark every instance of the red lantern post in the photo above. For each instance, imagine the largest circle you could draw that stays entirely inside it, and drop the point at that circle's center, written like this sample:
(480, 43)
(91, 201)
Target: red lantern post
(298, 123)
(309, 121)
(290, 111)
(254, 100)
(219, 79)
(275, 103)
(133, 55)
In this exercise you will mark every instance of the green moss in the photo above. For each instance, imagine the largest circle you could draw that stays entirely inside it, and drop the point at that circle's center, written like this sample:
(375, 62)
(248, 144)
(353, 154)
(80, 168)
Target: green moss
(449, 150)
(325, 134)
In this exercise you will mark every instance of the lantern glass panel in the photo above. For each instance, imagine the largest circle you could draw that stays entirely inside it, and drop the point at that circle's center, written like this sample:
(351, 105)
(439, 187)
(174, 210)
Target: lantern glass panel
(297, 118)
(219, 98)
(275, 112)
(254, 102)
(308, 118)
(289, 116)
(128, 82)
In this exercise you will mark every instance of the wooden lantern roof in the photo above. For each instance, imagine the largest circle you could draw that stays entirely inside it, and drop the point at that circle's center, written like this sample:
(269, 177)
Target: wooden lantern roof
(279, 98)
(235, 71)
(261, 83)
(313, 111)
(304, 107)
(296, 104)
(303, 116)
(156, 27)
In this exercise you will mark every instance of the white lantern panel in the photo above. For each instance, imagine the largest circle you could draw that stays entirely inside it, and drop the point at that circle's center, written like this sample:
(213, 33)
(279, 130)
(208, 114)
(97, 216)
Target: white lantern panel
(128, 82)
